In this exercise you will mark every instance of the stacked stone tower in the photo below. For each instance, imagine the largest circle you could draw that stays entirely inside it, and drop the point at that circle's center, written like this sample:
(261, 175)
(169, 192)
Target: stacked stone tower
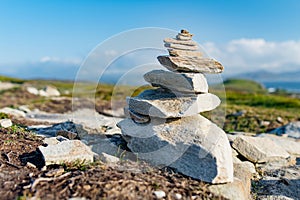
(163, 125)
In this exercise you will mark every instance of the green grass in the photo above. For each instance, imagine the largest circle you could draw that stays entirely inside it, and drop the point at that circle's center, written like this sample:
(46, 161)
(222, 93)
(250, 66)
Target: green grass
(12, 80)
(239, 95)
(261, 100)
(258, 107)
(3, 116)
(246, 86)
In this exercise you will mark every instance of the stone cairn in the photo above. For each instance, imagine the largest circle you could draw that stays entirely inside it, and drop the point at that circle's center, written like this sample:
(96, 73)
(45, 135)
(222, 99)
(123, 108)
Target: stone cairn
(163, 125)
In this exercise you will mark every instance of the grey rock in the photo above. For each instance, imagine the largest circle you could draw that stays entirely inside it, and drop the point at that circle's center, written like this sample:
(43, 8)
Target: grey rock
(233, 191)
(138, 118)
(88, 119)
(195, 65)
(183, 82)
(182, 42)
(93, 121)
(163, 104)
(5, 123)
(51, 141)
(291, 145)
(14, 112)
(182, 53)
(276, 164)
(109, 159)
(67, 129)
(67, 134)
(193, 146)
(279, 184)
(181, 47)
(259, 150)
(113, 145)
(66, 151)
(274, 197)
(291, 130)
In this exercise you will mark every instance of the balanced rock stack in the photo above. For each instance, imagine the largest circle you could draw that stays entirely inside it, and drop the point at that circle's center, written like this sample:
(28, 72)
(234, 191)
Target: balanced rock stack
(163, 125)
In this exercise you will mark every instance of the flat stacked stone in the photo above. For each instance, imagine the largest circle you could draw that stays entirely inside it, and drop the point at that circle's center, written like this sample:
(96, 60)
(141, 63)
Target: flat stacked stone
(163, 125)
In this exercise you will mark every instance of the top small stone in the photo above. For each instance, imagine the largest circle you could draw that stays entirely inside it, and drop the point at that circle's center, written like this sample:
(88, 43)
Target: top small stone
(184, 35)
(185, 32)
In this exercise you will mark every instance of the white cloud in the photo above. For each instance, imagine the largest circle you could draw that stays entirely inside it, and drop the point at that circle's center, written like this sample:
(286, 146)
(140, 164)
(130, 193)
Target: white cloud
(243, 55)
(74, 61)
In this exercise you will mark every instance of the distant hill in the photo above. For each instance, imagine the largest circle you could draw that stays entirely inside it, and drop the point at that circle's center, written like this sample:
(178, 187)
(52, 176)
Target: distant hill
(244, 86)
(266, 76)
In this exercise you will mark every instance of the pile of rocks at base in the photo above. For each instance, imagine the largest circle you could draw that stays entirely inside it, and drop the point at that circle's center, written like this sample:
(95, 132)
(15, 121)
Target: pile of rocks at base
(163, 125)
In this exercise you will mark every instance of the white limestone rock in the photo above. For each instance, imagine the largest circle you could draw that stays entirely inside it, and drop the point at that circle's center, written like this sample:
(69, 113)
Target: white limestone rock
(184, 36)
(182, 42)
(49, 91)
(259, 150)
(183, 82)
(233, 191)
(14, 112)
(32, 90)
(193, 146)
(159, 194)
(181, 47)
(163, 104)
(182, 53)
(5, 123)
(291, 145)
(66, 151)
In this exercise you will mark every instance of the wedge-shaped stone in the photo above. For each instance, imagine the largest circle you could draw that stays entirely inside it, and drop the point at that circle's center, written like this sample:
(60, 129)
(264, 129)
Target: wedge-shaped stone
(183, 82)
(189, 54)
(183, 42)
(259, 150)
(67, 151)
(181, 47)
(164, 104)
(183, 64)
(193, 146)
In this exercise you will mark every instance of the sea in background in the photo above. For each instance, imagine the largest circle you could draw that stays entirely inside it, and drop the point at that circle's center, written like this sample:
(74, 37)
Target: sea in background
(293, 87)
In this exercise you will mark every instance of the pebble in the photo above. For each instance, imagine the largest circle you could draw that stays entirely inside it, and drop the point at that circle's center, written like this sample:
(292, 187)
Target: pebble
(178, 196)
(5, 123)
(160, 194)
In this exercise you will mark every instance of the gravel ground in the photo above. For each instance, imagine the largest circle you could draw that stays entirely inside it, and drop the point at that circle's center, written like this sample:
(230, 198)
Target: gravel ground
(126, 180)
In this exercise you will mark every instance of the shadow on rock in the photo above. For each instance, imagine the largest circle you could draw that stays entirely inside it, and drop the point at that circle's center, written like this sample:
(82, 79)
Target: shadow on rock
(35, 157)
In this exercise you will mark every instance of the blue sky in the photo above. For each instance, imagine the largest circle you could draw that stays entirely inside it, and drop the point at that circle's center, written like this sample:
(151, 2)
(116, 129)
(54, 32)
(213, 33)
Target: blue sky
(242, 34)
